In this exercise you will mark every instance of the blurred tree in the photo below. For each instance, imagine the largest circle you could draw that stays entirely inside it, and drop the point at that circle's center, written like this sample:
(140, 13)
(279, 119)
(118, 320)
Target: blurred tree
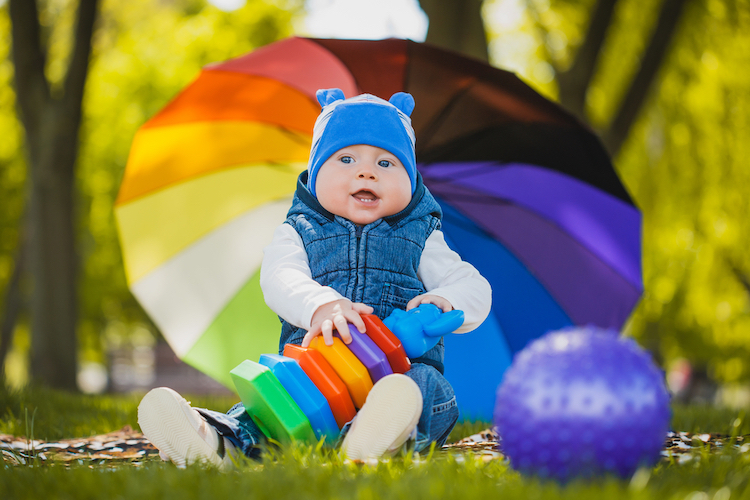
(574, 82)
(147, 52)
(665, 84)
(143, 53)
(682, 160)
(51, 117)
(685, 164)
(457, 25)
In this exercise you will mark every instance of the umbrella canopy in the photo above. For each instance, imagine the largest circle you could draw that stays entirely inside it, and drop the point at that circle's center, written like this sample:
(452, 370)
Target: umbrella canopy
(529, 197)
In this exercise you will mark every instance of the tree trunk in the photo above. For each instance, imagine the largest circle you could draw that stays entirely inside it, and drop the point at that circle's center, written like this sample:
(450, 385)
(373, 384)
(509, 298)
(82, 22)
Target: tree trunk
(574, 82)
(653, 57)
(51, 126)
(53, 265)
(457, 25)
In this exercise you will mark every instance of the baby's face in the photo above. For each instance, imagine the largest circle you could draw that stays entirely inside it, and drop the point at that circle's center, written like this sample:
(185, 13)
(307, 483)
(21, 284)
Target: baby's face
(363, 184)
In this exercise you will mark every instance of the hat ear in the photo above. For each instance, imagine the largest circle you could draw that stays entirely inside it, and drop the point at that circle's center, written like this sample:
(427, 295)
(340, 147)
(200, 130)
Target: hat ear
(403, 101)
(328, 96)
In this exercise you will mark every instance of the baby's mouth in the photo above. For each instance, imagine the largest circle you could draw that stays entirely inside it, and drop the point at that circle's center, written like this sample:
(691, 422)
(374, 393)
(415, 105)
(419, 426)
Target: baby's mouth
(365, 196)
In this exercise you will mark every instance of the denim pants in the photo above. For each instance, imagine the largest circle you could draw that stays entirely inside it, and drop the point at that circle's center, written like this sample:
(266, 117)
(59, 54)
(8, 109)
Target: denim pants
(439, 415)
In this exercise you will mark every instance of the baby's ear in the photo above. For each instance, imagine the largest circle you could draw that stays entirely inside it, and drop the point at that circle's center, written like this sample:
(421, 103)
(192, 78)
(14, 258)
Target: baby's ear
(328, 96)
(403, 101)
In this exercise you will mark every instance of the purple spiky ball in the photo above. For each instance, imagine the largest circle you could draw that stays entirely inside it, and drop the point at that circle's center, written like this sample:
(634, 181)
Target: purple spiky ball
(581, 402)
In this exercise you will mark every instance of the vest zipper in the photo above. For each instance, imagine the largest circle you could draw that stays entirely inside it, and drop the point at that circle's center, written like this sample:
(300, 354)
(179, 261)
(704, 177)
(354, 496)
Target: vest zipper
(358, 234)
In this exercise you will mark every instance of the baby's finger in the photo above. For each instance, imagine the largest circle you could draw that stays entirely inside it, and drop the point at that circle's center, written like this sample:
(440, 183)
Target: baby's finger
(327, 329)
(356, 320)
(435, 300)
(342, 326)
(415, 302)
(311, 334)
(362, 308)
(442, 304)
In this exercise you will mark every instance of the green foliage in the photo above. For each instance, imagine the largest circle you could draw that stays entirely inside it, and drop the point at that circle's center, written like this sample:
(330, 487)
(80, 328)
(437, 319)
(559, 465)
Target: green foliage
(144, 53)
(684, 162)
(685, 165)
(12, 164)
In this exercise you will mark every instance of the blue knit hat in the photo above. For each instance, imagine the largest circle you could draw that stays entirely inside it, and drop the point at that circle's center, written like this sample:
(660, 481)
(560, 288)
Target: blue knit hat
(364, 119)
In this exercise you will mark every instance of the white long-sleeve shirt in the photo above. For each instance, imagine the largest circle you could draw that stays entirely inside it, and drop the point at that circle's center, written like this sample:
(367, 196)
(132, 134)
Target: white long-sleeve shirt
(290, 291)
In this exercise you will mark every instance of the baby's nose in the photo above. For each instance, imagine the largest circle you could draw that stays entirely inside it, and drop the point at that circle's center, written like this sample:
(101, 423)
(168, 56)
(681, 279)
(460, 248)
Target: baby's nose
(367, 172)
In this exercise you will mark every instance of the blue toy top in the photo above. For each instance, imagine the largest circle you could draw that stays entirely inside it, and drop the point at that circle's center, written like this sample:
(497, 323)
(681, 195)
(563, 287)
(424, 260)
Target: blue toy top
(422, 327)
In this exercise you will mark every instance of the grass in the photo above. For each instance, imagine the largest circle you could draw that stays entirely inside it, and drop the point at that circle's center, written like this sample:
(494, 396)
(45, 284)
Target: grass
(302, 472)
(58, 415)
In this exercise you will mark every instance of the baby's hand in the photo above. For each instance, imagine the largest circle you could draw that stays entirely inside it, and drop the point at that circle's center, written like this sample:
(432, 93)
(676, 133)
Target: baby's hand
(336, 314)
(426, 298)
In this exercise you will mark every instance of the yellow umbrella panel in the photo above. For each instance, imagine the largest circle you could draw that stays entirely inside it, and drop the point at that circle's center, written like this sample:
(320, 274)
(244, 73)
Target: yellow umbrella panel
(199, 203)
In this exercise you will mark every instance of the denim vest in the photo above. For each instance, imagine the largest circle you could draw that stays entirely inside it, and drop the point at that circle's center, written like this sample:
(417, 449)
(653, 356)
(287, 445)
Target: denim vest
(374, 264)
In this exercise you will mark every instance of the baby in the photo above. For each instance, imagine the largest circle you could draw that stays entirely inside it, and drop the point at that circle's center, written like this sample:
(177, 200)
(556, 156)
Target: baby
(362, 237)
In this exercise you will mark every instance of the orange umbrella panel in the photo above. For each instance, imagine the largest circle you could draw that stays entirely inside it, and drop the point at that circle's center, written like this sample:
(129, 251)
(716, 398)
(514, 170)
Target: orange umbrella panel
(224, 96)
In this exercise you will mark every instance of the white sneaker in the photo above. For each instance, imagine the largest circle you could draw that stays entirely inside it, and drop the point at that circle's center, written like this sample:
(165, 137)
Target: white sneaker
(387, 419)
(180, 433)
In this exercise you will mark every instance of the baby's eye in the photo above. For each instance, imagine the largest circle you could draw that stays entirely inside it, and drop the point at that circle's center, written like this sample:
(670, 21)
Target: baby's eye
(346, 159)
(385, 163)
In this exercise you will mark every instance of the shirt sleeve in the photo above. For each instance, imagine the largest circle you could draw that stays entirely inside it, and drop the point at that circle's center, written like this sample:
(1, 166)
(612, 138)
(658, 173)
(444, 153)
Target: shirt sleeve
(444, 274)
(286, 280)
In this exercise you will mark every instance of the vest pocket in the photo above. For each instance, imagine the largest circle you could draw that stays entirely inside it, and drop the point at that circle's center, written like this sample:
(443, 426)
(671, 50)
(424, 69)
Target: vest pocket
(396, 297)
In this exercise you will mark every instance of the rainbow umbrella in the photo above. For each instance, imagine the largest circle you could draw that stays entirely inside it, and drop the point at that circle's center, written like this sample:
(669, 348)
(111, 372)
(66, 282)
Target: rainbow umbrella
(529, 197)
